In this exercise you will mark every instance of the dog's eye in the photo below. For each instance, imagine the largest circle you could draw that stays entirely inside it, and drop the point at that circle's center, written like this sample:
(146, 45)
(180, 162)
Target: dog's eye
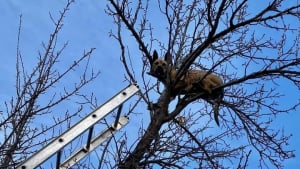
(164, 64)
(155, 63)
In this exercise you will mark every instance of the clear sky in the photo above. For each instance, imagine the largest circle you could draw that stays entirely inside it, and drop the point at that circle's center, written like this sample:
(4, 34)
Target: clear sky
(86, 26)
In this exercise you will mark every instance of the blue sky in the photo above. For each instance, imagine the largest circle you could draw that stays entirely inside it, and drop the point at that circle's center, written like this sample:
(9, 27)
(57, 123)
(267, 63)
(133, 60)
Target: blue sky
(86, 26)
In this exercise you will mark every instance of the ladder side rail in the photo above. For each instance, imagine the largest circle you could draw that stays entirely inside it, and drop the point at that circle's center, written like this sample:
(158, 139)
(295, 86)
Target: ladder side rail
(76, 130)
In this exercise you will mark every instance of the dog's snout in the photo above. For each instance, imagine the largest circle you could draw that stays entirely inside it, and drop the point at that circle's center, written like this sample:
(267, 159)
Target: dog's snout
(159, 70)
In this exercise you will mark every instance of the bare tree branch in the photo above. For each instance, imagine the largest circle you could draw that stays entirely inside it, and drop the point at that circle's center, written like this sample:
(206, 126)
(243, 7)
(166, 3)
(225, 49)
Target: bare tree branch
(21, 137)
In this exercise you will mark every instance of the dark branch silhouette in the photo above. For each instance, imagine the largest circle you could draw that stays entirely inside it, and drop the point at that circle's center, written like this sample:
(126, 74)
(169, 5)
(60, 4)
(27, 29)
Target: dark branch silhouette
(34, 97)
(213, 36)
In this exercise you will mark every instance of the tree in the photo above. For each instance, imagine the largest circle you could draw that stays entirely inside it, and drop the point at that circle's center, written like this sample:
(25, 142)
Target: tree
(233, 39)
(37, 96)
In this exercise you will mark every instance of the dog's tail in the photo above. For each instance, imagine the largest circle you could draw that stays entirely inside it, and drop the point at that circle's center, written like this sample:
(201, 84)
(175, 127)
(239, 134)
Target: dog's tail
(216, 113)
(216, 106)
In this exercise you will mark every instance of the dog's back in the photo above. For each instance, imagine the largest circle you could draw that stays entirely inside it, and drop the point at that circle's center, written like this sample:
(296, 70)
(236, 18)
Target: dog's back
(196, 81)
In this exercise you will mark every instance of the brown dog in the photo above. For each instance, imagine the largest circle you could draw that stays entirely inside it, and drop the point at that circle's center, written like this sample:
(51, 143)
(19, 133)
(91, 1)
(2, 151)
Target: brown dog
(192, 82)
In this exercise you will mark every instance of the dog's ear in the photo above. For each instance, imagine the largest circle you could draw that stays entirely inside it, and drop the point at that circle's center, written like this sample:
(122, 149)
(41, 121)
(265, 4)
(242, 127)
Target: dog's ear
(155, 56)
(168, 58)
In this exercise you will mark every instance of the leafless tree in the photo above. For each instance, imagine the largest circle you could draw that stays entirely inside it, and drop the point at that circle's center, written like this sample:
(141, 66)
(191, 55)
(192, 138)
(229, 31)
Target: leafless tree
(37, 95)
(232, 38)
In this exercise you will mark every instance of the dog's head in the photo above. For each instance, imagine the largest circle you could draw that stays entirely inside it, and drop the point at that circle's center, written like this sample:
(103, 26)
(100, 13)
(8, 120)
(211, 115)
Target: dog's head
(160, 67)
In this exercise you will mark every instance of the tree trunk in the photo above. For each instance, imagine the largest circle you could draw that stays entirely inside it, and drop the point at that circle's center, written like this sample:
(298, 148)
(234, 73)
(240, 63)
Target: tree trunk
(152, 133)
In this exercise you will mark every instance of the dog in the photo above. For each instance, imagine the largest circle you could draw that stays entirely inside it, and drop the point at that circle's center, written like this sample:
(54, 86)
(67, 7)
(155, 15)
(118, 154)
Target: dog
(192, 82)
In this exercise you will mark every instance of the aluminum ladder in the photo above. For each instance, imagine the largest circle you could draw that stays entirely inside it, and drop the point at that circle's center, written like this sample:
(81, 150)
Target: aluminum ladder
(87, 123)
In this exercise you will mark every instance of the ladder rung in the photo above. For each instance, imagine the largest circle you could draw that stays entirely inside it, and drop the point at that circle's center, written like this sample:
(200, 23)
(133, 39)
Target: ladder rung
(58, 157)
(83, 151)
(118, 115)
(89, 137)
